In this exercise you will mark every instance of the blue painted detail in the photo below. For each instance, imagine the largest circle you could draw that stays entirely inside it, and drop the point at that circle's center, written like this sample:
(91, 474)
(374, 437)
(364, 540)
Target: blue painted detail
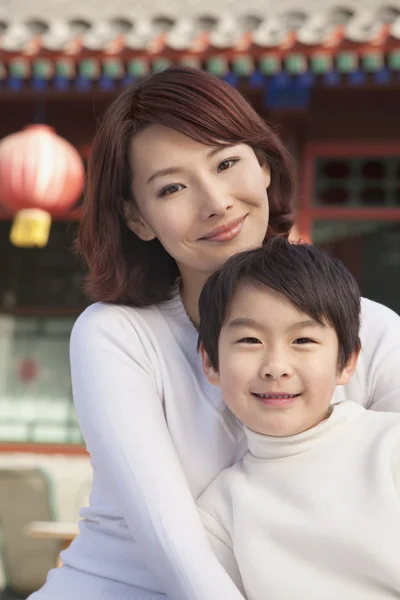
(333, 78)
(39, 84)
(282, 80)
(128, 80)
(293, 95)
(61, 83)
(15, 83)
(231, 78)
(257, 79)
(383, 76)
(306, 80)
(357, 78)
(83, 84)
(106, 83)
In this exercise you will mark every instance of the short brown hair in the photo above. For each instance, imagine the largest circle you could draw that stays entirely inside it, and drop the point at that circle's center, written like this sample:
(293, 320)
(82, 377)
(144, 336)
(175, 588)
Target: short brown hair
(316, 284)
(121, 267)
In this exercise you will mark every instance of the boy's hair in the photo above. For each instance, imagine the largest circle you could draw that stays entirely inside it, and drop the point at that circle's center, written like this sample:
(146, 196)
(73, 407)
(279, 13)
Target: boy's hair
(316, 284)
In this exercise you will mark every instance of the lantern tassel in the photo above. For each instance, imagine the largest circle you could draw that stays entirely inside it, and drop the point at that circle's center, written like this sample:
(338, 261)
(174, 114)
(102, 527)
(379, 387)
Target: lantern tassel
(30, 228)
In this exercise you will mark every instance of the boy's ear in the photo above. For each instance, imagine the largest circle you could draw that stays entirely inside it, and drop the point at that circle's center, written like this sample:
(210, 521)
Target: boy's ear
(211, 374)
(348, 370)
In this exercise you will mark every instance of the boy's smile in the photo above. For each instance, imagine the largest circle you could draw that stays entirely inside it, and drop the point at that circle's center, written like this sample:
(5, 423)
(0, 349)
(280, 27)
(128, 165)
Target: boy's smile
(278, 367)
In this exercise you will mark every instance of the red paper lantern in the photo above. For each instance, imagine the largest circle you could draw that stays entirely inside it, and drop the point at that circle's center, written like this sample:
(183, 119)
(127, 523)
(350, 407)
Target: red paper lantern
(40, 174)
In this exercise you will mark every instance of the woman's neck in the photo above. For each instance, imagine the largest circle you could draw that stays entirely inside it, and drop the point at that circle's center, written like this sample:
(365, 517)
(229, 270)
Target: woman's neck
(190, 292)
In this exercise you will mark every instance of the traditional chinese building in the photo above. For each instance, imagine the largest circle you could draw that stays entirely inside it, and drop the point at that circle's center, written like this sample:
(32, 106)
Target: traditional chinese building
(326, 73)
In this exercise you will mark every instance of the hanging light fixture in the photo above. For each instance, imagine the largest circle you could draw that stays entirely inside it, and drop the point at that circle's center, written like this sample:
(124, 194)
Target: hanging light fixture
(41, 174)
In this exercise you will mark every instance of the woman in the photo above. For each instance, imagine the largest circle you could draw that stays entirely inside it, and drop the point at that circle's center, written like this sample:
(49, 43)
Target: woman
(183, 175)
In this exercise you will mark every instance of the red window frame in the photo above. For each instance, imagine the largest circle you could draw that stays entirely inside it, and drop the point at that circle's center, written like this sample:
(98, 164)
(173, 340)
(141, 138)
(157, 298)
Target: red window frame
(308, 212)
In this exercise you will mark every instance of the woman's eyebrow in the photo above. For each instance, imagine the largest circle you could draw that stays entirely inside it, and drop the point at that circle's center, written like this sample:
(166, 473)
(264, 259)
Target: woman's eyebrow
(175, 170)
(161, 172)
(217, 149)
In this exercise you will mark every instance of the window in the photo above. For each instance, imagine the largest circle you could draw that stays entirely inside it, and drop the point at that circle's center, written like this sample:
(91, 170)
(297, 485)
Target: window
(350, 206)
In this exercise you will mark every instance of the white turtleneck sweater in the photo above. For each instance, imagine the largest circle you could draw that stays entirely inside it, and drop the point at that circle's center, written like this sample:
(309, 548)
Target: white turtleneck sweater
(158, 433)
(314, 516)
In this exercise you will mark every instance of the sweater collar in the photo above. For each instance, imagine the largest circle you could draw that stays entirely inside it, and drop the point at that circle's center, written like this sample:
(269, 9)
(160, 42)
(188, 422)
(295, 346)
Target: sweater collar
(270, 447)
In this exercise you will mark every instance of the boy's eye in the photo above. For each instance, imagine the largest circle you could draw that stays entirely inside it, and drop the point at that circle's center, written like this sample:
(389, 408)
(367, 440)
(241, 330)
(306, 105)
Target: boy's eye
(171, 189)
(249, 340)
(227, 164)
(303, 340)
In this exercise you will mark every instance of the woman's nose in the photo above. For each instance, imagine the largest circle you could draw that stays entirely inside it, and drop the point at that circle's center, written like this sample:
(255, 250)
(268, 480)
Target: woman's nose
(215, 201)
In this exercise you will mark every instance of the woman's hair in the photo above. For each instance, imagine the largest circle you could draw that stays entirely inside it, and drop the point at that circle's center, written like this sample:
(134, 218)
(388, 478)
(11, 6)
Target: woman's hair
(121, 267)
(316, 284)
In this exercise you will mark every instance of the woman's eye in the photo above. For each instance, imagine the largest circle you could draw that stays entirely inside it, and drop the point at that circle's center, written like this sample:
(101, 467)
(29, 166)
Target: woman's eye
(171, 189)
(226, 164)
(303, 340)
(249, 340)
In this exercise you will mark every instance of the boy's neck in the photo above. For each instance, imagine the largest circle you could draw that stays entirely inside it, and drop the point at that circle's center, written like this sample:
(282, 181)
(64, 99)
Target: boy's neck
(293, 435)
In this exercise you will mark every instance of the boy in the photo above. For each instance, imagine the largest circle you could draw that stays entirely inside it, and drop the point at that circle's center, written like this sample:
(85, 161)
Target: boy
(312, 511)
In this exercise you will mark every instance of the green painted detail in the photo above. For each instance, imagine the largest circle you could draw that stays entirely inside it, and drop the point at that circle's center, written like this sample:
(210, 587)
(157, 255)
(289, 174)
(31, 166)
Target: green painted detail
(65, 68)
(270, 64)
(394, 60)
(43, 68)
(296, 63)
(321, 63)
(373, 61)
(19, 67)
(217, 65)
(138, 67)
(89, 68)
(113, 68)
(160, 64)
(3, 71)
(347, 62)
(190, 61)
(243, 66)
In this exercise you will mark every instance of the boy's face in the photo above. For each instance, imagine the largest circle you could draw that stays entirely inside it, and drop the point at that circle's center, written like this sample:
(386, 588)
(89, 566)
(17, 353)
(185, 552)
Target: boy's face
(277, 367)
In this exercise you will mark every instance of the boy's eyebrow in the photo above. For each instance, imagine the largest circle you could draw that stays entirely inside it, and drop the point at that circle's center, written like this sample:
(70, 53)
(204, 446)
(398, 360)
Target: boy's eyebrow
(244, 322)
(247, 322)
(307, 323)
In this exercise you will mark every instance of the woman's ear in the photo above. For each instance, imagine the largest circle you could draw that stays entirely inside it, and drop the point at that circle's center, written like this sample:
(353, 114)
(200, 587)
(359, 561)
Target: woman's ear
(264, 166)
(267, 174)
(347, 372)
(211, 374)
(137, 224)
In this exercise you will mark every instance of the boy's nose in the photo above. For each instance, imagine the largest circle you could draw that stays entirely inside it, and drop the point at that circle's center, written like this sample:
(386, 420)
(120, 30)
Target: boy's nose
(276, 370)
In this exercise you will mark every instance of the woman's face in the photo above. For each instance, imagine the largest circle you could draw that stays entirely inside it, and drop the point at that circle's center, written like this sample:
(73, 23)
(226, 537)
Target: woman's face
(203, 203)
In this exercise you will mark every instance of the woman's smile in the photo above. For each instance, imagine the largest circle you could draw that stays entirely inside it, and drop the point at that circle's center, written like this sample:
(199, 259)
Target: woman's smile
(226, 232)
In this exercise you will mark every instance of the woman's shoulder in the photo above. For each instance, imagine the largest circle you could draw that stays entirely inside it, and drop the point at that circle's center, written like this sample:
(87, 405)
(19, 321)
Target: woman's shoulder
(106, 318)
(380, 328)
(151, 327)
(378, 315)
(132, 330)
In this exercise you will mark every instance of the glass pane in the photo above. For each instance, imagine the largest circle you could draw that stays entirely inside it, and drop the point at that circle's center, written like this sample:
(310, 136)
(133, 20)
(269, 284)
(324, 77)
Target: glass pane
(38, 277)
(371, 251)
(35, 388)
(359, 181)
